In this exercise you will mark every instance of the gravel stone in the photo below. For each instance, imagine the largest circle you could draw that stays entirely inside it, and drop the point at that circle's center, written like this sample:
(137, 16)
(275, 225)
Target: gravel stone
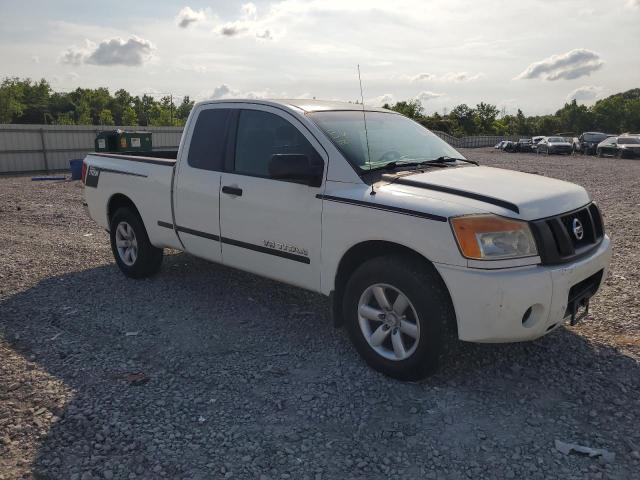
(283, 393)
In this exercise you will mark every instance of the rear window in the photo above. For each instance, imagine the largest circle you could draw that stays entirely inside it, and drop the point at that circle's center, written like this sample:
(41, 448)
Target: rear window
(594, 137)
(556, 139)
(208, 142)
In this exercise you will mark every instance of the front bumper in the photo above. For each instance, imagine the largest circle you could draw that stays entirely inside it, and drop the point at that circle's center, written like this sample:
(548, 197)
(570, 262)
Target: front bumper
(490, 304)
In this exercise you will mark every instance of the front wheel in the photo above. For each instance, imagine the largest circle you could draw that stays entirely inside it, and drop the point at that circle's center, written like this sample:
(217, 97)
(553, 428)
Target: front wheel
(135, 255)
(398, 313)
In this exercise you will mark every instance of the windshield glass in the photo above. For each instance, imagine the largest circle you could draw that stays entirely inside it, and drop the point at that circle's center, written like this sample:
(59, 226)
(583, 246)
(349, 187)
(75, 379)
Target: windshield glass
(594, 137)
(556, 139)
(628, 140)
(392, 138)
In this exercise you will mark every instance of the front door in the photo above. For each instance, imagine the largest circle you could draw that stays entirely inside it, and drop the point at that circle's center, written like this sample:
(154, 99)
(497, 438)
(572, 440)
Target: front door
(271, 227)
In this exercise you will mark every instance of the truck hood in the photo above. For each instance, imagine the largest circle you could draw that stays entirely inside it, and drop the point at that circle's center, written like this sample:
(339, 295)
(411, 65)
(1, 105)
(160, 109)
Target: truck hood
(504, 192)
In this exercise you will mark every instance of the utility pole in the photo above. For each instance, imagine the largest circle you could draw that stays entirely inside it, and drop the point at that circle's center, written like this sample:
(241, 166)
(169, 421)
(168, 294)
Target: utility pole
(171, 107)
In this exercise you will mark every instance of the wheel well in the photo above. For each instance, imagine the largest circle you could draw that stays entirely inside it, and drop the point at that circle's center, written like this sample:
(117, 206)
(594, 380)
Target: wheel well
(118, 201)
(362, 252)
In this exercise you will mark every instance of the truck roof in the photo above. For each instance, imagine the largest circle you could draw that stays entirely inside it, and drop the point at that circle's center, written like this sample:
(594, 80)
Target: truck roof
(303, 104)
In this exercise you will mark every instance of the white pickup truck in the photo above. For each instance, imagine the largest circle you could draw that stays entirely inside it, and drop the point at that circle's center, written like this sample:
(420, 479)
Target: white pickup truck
(407, 238)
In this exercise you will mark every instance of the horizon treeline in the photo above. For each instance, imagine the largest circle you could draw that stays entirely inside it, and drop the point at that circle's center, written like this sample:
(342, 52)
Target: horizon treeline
(28, 101)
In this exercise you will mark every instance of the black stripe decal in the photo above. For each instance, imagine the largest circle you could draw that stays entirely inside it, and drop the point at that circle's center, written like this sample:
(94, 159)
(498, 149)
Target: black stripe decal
(121, 172)
(132, 158)
(270, 251)
(460, 193)
(385, 208)
(238, 243)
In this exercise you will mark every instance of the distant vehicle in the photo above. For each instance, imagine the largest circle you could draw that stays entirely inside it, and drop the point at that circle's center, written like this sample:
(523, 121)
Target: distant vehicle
(510, 146)
(535, 141)
(588, 142)
(499, 145)
(524, 145)
(621, 147)
(554, 145)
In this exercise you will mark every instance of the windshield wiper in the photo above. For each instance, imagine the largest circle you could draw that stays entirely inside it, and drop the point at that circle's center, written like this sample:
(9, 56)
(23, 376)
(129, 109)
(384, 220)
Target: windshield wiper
(446, 159)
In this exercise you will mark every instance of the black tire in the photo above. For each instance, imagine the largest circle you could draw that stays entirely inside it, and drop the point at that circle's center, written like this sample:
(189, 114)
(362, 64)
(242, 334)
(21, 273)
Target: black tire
(599, 153)
(428, 296)
(148, 258)
(620, 154)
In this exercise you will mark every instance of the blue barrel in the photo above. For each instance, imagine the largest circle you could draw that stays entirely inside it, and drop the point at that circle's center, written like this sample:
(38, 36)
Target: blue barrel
(76, 169)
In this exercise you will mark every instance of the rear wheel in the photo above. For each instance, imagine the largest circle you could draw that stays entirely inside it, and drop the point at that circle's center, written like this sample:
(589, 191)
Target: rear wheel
(135, 255)
(397, 313)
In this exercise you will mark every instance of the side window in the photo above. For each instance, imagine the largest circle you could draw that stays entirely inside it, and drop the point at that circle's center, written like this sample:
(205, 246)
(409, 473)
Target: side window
(208, 142)
(262, 135)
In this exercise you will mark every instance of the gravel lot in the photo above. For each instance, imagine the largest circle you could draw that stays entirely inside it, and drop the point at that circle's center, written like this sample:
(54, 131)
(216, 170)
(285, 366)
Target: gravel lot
(204, 372)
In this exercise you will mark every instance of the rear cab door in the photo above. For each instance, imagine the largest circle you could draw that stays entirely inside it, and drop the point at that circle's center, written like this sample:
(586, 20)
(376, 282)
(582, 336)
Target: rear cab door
(271, 227)
(197, 185)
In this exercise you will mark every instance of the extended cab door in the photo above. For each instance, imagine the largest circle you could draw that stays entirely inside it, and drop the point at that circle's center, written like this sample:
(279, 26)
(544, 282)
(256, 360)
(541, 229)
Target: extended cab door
(197, 185)
(271, 227)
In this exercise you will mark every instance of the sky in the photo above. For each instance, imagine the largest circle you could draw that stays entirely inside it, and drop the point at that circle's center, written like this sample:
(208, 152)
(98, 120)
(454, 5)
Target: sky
(533, 55)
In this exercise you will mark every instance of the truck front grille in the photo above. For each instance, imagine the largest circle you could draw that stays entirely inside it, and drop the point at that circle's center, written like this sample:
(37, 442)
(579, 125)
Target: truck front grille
(566, 237)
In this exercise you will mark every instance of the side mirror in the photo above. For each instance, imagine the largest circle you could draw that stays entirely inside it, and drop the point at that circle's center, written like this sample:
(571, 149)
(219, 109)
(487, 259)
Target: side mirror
(297, 168)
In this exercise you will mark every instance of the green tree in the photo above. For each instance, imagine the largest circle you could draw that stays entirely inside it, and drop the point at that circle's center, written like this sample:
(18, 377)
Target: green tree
(485, 115)
(129, 116)
(410, 108)
(11, 100)
(106, 117)
(463, 118)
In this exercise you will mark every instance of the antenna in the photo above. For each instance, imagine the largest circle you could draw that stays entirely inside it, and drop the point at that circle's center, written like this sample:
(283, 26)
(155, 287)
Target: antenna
(366, 133)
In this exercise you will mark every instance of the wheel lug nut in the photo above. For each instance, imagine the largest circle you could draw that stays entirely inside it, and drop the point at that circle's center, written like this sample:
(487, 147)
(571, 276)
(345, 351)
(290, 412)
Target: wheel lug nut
(382, 316)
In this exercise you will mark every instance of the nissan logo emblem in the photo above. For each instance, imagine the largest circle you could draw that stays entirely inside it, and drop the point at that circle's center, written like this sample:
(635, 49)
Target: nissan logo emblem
(578, 230)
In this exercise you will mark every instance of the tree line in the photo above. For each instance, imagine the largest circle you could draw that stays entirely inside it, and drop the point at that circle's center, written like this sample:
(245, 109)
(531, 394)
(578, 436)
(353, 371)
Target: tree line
(617, 113)
(28, 101)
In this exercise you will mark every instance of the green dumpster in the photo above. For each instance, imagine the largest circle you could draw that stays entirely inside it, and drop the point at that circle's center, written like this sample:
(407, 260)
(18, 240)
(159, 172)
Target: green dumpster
(121, 141)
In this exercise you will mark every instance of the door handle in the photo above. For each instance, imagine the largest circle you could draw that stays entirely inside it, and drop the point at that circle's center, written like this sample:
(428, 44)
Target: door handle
(232, 191)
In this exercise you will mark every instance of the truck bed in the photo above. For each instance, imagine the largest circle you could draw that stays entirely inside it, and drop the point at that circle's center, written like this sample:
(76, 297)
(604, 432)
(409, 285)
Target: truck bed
(164, 156)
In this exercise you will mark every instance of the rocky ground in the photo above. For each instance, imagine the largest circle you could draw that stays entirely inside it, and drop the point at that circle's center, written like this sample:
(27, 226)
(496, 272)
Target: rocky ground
(204, 372)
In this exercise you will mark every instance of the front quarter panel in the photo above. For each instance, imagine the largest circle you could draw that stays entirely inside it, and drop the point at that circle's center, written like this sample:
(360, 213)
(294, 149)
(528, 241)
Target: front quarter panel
(346, 225)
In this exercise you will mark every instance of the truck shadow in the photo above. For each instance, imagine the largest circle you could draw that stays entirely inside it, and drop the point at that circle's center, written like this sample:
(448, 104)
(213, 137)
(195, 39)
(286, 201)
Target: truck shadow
(164, 376)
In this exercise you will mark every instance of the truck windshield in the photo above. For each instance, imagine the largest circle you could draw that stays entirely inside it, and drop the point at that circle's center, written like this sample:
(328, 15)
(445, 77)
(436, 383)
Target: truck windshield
(392, 138)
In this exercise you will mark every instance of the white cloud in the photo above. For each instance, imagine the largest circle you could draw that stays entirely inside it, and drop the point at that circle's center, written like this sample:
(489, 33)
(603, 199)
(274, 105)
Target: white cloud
(568, 66)
(231, 29)
(423, 76)
(449, 77)
(381, 100)
(132, 52)
(425, 96)
(220, 92)
(585, 93)
(187, 16)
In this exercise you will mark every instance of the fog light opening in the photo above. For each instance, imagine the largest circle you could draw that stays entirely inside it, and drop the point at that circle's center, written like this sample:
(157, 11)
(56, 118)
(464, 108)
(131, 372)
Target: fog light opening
(527, 316)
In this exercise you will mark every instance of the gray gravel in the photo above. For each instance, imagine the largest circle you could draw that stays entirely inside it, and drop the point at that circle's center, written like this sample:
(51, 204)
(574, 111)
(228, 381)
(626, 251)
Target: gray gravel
(205, 372)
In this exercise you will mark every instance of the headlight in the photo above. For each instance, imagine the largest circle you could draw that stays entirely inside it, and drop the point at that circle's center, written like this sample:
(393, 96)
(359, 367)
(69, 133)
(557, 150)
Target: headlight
(490, 237)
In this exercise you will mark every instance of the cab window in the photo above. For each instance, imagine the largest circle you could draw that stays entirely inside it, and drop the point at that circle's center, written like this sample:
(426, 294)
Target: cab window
(261, 135)
(208, 142)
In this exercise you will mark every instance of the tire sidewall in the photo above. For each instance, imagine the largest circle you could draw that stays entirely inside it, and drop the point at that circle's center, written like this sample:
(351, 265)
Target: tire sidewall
(427, 298)
(145, 258)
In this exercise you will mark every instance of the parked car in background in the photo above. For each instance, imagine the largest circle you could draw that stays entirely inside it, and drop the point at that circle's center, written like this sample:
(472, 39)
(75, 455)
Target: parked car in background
(621, 147)
(524, 145)
(499, 145)
(588, 142)
(554, 145)
(510, 146)
(535, 141)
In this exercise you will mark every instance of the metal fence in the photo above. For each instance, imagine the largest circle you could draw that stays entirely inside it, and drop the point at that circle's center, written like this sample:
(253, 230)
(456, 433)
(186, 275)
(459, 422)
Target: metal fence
(476, 141)
(31, 148)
